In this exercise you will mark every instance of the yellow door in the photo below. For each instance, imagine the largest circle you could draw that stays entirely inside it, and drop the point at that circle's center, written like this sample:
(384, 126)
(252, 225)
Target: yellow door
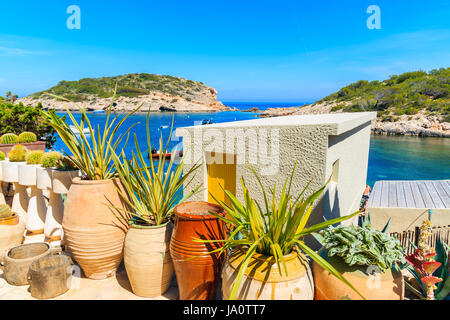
(221, 174)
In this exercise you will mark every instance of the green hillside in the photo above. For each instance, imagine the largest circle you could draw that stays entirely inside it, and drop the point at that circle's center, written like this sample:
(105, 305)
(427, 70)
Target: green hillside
(407, 93)
(129, 85)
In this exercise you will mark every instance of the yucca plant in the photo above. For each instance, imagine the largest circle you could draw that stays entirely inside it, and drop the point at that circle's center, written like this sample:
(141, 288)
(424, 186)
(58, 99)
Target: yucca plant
(152, 190)
(273, 230)
(93, 159)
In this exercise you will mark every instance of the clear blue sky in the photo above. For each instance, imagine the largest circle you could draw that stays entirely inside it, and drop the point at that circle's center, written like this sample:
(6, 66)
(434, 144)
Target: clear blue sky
(249, 50)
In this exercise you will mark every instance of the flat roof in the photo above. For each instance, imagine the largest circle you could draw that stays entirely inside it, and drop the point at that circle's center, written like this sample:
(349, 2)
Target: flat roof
(342, 122)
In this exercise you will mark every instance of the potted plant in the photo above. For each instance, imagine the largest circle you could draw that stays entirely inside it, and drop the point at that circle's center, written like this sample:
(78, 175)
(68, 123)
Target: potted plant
(366, 257)
(63, 172)
(267, 259)
(429, 267)
(12, 230)
(26, 138)
(93, 234)
(151, 192)
(36, 205)
(10, 171)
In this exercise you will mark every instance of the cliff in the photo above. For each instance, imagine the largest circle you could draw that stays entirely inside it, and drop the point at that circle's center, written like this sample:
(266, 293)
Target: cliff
(154, 92)
(413, 103)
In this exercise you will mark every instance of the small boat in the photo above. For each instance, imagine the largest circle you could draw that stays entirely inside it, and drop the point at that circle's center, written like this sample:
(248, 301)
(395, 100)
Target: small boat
(206, 121)
(155, 154)
(85, 130)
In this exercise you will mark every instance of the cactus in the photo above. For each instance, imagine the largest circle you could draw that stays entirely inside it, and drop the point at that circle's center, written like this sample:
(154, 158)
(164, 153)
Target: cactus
(9, 138)
(5, 211)
(17, 153)
(2, 156)
(51, 159)
(34, 157)
(26, 137)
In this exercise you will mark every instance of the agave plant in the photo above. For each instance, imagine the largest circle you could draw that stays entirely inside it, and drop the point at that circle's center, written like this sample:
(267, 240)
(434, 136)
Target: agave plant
(94, 159)
(152, 190)
(274, 230)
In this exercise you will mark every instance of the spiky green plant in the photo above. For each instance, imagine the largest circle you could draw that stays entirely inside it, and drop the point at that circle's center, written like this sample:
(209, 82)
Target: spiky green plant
(93, 159)
(274, 229)
(151, 190)
(50, 159)
(5, 211)
(9, 138)
(34, 157)
(17, 153)
(2, 156)
(27, 137)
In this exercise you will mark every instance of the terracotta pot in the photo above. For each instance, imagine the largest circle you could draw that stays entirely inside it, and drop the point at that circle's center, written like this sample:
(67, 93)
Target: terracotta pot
(49, 276)
(19, 259)
(93, 232)
(11, 233)
(38, 145)
(384, 286)
(62, 180)
(198, 278)
(262, 279)
(147, 259)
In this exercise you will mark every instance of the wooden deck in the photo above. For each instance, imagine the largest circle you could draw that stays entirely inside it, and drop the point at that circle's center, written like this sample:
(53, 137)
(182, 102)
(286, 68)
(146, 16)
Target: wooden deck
(406, 205)
(423, 194)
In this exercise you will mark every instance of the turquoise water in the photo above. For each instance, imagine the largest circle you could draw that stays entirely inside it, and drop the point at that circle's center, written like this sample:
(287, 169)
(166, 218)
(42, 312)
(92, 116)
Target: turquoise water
(390, 158)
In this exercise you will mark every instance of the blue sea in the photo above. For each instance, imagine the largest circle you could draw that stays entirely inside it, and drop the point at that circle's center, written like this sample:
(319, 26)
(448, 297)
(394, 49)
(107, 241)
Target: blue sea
(390, 158)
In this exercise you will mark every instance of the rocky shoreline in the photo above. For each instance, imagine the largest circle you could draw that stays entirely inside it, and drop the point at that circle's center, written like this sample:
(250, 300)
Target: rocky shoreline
(419, 124)
(155, 102)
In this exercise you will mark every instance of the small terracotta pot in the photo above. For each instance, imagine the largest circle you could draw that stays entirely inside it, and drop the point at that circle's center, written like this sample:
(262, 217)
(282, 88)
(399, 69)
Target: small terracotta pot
(383, 286)
(11, 233)
(19, 259)
(93, 232)
(62, 180)
(198, 279)
(147, 259)
(262, 279)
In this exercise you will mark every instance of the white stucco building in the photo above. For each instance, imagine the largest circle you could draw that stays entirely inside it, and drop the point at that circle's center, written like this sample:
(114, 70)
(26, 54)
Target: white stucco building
(325, 145)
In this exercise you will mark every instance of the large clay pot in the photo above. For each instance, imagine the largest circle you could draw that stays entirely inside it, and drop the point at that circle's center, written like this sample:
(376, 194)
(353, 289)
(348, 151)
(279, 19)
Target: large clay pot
(147, 259)
(19, 259)
(11, 233)
(262, 279)
(383, 286)
(198, 278)
(93, 232)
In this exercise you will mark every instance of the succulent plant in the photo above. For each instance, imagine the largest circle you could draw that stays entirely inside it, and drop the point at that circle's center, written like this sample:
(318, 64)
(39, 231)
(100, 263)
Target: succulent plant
(5, 211)
(34, 157)
(17, 153)
(66, 164)
(9, 138)
(26, 137)
(51, 159)
(2, 156)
